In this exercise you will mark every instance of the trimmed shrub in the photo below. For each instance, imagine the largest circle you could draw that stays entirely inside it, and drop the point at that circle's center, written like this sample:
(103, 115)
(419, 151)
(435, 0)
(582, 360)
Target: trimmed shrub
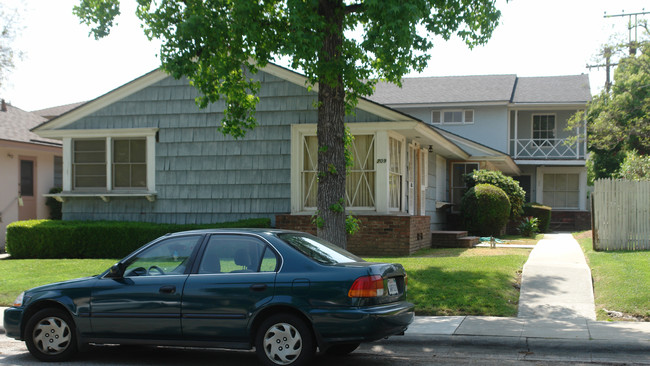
(95, 239)
(485, 209)
(511, 187)
(542, 213)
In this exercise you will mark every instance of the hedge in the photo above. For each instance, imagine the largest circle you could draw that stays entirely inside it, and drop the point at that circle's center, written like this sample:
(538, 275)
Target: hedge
(95, 239)
(543, 214)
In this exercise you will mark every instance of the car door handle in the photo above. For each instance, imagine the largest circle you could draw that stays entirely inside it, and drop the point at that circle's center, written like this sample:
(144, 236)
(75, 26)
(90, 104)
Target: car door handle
(258, 287)
(169, 289)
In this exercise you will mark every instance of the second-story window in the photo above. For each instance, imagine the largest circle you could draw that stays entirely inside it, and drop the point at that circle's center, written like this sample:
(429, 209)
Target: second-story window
(543, 129)
(459, 116)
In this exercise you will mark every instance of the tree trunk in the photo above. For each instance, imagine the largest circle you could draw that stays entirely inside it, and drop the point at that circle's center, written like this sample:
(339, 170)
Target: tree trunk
(331, 129)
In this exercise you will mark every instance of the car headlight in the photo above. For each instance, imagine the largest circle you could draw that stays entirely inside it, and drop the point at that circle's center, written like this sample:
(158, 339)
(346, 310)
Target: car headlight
(19, 300)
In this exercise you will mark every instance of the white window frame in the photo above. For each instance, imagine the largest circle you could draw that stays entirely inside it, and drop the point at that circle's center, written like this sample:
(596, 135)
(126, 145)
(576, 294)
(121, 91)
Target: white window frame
(382, 131)
(442, 121)
(532, 130)
(149, 134)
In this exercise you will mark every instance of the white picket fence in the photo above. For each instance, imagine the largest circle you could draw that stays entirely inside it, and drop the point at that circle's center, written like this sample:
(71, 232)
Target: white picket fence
(621, 215)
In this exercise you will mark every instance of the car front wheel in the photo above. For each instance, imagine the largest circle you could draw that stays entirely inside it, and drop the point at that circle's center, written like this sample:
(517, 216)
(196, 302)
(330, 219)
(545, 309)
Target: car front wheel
(284, 339)
(50, 335)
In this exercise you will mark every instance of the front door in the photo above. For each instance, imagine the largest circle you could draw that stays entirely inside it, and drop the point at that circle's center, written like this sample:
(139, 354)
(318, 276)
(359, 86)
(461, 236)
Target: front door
(27, 189)
(146, 301)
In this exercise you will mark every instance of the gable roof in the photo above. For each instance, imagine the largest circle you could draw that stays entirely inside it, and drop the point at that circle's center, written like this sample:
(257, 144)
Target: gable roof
(446, 89)
(53, 112)
(552, 89)
(485, 89)
(15, 125)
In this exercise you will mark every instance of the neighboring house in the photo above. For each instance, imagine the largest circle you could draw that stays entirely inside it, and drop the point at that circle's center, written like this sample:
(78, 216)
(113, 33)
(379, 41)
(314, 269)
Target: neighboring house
(523, 117)
(30, 166)
(146, 152)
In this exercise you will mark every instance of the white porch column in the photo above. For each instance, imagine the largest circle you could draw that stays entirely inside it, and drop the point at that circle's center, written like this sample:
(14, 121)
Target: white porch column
(382, 155)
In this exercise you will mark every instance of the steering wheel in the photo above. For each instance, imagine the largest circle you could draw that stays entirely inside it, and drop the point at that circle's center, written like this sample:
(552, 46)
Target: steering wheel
(155, 268)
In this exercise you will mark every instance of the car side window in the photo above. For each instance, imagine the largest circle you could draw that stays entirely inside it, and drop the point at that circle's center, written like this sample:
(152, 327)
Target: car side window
(237, 254)
(167, 257)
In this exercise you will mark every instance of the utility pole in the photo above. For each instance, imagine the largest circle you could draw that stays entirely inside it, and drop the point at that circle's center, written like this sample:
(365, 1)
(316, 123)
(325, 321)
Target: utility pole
(607, 53)
(633, 44)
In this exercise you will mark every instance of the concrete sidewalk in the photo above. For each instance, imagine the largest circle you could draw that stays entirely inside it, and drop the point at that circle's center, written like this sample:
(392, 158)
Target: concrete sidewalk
(556, 281)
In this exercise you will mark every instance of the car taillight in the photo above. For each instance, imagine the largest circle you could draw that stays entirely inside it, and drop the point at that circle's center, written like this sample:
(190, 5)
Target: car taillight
(367, 286)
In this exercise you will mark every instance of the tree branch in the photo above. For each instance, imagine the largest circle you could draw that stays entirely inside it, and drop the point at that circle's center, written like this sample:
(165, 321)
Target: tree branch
(354, 8)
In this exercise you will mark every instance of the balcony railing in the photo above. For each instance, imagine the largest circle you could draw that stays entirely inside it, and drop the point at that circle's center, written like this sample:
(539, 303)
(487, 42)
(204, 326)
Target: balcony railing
(548, 148)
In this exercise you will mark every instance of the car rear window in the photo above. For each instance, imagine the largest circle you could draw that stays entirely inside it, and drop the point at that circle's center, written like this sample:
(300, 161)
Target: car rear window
(318, 249)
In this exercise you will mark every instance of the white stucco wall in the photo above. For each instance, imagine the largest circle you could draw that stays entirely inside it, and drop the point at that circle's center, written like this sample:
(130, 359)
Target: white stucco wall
(9, 183)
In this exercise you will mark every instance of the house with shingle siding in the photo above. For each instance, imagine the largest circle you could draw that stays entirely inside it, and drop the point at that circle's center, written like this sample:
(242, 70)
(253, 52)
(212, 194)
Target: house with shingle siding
(146, 152)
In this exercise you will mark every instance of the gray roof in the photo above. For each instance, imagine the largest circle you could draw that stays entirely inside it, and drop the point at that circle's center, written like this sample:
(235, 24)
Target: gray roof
(446, 89)
(553, 89)
(52, 112)
(15, 125)
(485, 89)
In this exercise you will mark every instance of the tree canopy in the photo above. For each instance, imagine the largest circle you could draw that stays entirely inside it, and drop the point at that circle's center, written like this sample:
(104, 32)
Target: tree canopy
(8, 52)
(618, 121)
(343, 48)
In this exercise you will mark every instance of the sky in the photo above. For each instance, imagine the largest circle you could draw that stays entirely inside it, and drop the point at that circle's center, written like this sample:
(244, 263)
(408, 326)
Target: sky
(62, 64)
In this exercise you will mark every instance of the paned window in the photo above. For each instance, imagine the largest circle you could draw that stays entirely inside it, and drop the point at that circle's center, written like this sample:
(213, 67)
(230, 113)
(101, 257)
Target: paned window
(543, 129)
(129, 163)
(360, 181)
(89, 163)
(458, 185)
(111, 164)
(561, 190)
(453, 116)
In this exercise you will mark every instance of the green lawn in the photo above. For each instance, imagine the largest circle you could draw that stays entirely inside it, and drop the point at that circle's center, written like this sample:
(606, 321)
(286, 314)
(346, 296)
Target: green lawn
(478, 281)
(17, 275)
(621, 280)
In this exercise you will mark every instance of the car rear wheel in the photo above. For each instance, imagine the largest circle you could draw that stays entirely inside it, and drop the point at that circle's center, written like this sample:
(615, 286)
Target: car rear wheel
(50, 335)
(284, 339)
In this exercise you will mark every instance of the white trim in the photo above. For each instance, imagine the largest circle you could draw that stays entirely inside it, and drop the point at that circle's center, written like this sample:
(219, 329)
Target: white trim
(101, 102)
(571, 162)
(106, 197)
(101, 133)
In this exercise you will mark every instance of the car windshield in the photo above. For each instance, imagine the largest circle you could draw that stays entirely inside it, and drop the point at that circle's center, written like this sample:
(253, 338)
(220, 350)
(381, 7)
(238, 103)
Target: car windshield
(318, 249)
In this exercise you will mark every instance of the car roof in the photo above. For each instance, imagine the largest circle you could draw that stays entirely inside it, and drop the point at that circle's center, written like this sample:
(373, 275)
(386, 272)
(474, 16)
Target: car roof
(258, 231)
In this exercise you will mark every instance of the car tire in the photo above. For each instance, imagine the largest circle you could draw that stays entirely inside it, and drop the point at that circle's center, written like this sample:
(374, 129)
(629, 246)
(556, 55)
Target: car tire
(341, 349)
(284, 340)
(50, 335)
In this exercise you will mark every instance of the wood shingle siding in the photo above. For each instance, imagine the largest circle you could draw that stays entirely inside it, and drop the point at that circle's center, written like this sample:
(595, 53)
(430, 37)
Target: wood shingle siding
(203, 176)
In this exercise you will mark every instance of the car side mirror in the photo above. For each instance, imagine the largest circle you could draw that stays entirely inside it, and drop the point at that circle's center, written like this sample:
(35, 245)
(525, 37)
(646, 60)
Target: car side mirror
(116, 271)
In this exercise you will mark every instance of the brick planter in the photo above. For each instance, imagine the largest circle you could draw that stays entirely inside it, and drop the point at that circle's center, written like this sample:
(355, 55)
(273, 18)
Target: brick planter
(377, 236)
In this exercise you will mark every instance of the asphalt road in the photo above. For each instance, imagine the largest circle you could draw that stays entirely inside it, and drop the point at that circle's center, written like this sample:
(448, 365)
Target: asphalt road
(396, 351)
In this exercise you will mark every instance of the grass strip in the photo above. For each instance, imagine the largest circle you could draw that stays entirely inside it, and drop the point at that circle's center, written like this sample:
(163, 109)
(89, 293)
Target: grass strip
(621, 281)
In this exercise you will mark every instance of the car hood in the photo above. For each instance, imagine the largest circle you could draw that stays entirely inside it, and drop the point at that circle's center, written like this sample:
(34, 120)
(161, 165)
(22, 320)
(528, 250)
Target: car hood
(77, 282)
